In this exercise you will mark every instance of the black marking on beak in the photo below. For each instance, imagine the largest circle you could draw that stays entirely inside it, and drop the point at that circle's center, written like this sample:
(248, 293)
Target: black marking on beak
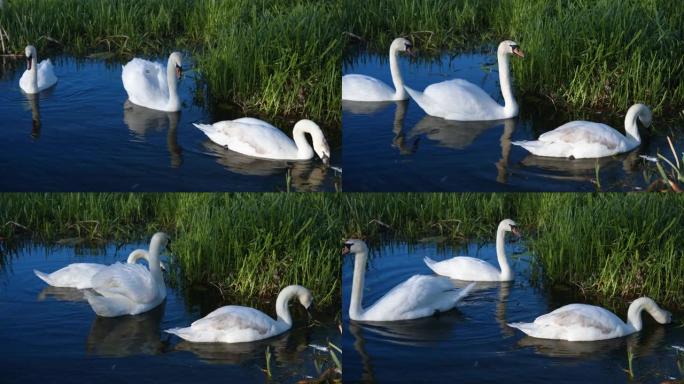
(179, 71)
(347, 248)
(409, 49)
(517, 51)
(515, 230)
(29, 62)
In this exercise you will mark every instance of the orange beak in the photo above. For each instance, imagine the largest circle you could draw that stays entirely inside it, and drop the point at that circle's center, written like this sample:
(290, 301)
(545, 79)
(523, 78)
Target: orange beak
(518, 52)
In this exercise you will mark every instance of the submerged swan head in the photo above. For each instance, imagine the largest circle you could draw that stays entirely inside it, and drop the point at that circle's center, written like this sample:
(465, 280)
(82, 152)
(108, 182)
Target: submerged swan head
(320, 145)
(642, 112)
(31, 55)
(402, 45)
(510, 47)
(647, 304)
(176, 59)
(305, 298)
(509, 225)
(354, 246)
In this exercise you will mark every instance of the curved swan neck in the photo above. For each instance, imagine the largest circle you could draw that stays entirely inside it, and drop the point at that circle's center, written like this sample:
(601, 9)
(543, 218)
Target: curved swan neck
(304, 150)
(156, 245)
(510, 105)
(506, 272)
(355, 309)
(136, 255)
(647, 304)
(174, 101)
(282, 308)
(631, 127)
(33, 72)
(399, 91)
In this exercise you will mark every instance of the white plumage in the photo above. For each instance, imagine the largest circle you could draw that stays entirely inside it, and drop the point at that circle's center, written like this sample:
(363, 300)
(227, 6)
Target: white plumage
(151, 85)
(37, 77)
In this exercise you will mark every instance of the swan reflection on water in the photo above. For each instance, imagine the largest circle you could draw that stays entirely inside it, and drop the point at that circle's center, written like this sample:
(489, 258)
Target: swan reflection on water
(306, 175)
(33, 101)
(127, 335)
(61, 294)
(143, 121)
(365, 107)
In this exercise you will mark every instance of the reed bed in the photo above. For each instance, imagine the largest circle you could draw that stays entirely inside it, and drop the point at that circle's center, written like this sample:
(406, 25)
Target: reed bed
(272, 58)
(249, 245)
(580, 54)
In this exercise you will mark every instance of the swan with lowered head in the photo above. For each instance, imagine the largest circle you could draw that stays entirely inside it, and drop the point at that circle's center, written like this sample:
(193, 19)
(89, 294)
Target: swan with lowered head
(257, 138)
(462, 100)
(37, 77)
(582, 322)
(419, 296)
(586, 139)
(80, 275)
(237, 324)
(152, 86)
(472, 269)
(130, 289)
(365, 88)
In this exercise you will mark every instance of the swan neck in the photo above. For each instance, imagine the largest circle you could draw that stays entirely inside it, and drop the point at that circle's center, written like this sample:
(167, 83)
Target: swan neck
(304, 150)
(641, 304)
(400, 92)
(501, 254)
(282, 306)
(33, 73)
(136, 255)
(355, 309)
(173, 84)
(510, 105)
(631, 127)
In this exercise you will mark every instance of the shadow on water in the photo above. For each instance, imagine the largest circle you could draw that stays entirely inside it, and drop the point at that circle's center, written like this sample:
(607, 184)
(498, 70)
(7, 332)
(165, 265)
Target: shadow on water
(401, 148)
(474, 341)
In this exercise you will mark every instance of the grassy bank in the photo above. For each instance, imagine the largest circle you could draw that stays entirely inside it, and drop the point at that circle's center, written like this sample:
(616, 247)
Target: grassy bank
(581, 54)
(269, 57)
(610, 245)
(250, 245)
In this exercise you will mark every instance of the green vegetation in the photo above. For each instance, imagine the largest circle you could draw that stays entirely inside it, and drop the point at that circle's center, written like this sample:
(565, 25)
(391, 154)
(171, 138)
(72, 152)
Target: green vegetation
(611, 245)
(269, 57)
(250, 245)
(583, 55)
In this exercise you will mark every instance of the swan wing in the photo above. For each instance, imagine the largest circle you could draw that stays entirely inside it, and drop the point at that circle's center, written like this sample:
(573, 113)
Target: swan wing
(132, 281)
(584, 132)
(145, 82)
(365, 88)
(459, 99)
(77, 275)
(465, 268)
(577, 322)
(231, 324)
(419, 296)
(251, 137)
(46, 74)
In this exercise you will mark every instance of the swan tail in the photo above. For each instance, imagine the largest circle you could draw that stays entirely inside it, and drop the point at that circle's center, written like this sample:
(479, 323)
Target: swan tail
(531, 146)
(464, 292)
(206, 128)
(44, 276)
(106, 306)
(526, 328)
(430, 263)
(183, 333)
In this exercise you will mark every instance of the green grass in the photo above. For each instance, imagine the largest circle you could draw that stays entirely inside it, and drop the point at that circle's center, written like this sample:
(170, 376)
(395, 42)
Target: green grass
(273, 58)
(609, 245)
(582, 54)
(251, 245)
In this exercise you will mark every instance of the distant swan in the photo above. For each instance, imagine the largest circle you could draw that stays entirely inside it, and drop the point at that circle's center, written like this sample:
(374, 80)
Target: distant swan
(152, 86)
(472, 269)
(237, 324)
(80, 275)
(582, 322)
(586, 139)
(37, 77)
(464, 101)
(419, 296)
(130, 289)
(366, 88)
(257, 138)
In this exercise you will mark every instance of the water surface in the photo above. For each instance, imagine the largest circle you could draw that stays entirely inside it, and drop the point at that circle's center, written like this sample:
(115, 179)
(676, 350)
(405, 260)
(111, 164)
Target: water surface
(473, 344)
(82, 135)
(396, 146)
(52, 335)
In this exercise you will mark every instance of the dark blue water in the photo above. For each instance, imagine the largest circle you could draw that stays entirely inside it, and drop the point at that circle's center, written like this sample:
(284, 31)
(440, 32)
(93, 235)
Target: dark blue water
(52, 335)
(395, 146)
(473, 344)
(77, 136)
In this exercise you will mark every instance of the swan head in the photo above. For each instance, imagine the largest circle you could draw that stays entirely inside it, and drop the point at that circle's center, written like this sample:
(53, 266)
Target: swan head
(510, 47)
(354, 246)
(402, 45)
(643, 113)
(320, 145)
(305, 298)
(160, 239)
(176, 59)
(509, 225)
(30, 53)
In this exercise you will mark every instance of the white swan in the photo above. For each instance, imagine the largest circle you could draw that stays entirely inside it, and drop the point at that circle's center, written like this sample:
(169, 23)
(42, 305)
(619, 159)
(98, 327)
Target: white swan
(257, 138)
(237, 324)
(130, 289)
(586, 139)
(464, 101)
(80, 275)
(150, 85)
(36, 77)
(582, 322)
(419, 296)
(366, 88)
(472, 269)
